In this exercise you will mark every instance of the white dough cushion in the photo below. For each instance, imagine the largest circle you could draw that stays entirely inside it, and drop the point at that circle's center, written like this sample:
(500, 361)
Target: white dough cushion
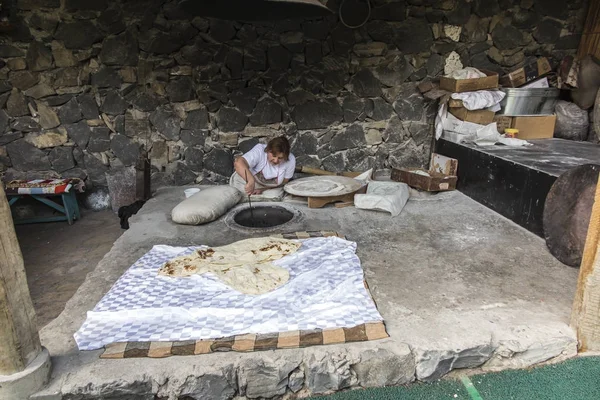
(206, 205)
(384, 196)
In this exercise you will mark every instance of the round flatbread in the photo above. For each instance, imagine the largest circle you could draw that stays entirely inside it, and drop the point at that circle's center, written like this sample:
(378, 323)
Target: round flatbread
(245, 266)
(253, 279)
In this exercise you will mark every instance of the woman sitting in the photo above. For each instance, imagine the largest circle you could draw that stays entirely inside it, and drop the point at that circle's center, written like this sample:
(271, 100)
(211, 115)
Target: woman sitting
(264, 170)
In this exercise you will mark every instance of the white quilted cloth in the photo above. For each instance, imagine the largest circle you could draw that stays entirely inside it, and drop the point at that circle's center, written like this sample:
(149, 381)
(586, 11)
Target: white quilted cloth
(325, 290)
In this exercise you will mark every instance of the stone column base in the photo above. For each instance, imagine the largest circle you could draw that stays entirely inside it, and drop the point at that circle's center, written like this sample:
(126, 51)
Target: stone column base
(25, 383)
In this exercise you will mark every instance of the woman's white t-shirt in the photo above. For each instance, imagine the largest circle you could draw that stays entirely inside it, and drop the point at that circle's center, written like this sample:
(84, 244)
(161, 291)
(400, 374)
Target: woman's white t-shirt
(258, 162)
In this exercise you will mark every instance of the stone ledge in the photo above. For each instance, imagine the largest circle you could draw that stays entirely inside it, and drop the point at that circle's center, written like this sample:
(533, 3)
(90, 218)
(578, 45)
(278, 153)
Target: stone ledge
(295, 373)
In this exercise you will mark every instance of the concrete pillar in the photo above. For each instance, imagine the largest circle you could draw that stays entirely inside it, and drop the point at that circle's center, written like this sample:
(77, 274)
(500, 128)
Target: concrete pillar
(24, 366)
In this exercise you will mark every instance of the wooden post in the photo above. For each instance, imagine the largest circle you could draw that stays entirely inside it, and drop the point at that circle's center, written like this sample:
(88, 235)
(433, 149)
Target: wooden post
(585, 318)
(19, 340)
(142, 177)
(590, 39)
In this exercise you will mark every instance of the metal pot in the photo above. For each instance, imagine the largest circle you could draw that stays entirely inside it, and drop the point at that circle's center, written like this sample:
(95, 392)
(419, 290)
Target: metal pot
(529, 101)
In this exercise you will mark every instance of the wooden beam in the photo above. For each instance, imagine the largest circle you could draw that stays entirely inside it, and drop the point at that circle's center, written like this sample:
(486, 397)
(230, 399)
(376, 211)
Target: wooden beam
(142, 177)
(590, 38)
(19, 340)
(585, 317)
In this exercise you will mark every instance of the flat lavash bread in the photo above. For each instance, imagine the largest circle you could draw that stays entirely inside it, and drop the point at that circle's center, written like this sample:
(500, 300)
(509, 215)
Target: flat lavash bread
(249, 251)
(206, 205)
(254, 279)
(246, 266)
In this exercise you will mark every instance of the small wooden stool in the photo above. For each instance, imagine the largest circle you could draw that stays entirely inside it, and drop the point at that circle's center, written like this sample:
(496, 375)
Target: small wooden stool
(346, 199)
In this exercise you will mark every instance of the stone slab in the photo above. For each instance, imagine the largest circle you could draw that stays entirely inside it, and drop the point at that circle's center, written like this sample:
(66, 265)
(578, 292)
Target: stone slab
(458, 285)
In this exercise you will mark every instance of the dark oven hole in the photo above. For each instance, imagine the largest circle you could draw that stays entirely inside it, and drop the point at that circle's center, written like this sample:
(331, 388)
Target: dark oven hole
(263, 217)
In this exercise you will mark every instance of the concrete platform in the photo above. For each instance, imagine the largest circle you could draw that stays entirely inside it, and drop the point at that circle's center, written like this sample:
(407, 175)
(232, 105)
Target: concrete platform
(459, 286)
(551, 156)
(515, 181)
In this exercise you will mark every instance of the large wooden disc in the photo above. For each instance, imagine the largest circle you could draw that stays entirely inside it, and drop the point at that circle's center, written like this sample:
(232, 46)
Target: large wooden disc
(567, 213)
(322, 186)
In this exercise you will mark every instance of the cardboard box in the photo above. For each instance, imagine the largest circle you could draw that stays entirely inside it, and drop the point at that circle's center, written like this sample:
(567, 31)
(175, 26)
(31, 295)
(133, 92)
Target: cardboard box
(443, 165)
(541, 83)
(455, 103)
(470, 85)
(482, 117)
(527, 73)
(530, 127)
(441, 175)
(536, 127)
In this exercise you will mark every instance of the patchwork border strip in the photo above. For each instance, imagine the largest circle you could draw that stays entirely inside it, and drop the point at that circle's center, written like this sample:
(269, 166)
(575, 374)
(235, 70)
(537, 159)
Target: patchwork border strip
(253, 342)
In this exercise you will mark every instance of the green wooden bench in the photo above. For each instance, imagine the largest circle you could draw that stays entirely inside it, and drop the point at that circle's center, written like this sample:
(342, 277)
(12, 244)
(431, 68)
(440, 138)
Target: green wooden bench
(46, 192)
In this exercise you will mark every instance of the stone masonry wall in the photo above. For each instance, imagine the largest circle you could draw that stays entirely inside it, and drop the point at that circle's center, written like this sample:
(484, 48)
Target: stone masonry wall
(85, 85)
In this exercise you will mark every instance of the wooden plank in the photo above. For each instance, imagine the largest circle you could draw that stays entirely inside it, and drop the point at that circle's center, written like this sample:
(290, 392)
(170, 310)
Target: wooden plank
(142, 178)
(314, 171)
(350, 174)
(590, 44)
(319, 202)
(590, 39)
(596, 117)
(19, 340)
(591, 22)
(585, 317)
(317, 171)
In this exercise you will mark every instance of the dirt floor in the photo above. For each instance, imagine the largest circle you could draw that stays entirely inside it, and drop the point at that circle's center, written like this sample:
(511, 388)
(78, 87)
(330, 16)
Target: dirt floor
(58, 257)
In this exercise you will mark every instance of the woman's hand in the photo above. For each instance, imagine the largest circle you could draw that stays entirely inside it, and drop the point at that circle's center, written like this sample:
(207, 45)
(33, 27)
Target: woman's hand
(250, 186)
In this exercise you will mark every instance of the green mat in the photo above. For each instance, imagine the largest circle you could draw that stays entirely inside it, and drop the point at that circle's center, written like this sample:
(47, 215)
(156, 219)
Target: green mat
(418, 391)
(576, 379)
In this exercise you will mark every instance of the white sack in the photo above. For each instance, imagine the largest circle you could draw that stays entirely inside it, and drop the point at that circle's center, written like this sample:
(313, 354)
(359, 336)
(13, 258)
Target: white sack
(480, 99)
(456, 137)
(515, 142)
(466, 73)
(439, 120)
(489, 136)
(206, 206)
(384, 196)
(453, 124)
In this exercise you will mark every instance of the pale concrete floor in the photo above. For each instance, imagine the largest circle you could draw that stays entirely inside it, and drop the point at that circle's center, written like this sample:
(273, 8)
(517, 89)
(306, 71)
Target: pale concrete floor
(456, 283)
(58, 257)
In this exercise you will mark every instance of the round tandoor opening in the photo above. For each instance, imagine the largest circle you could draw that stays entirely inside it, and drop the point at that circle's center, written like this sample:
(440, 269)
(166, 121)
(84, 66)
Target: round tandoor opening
(263, 217)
